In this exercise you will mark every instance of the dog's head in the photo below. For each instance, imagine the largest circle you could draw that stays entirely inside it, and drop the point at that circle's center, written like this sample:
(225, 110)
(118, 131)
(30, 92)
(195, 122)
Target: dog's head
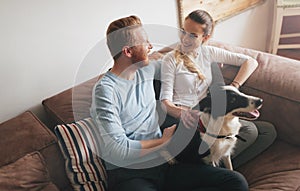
(229, 101)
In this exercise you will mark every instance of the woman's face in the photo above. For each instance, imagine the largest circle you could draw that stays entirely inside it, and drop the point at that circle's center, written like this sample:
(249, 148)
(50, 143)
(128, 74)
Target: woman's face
(191, 35)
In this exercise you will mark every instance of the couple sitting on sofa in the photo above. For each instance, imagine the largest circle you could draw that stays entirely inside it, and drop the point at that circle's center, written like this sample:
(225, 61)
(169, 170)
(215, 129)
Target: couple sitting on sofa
(124, 109)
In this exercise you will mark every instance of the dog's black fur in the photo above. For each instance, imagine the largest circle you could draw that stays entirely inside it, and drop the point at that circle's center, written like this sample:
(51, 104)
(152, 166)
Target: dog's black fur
(226, 101)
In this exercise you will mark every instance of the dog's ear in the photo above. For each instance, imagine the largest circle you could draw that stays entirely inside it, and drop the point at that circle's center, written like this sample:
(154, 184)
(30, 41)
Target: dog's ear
(205, 104)
(215, 102)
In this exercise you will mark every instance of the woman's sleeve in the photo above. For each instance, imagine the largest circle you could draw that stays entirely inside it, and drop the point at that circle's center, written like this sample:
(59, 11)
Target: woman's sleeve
(220, 55)
(168, 68)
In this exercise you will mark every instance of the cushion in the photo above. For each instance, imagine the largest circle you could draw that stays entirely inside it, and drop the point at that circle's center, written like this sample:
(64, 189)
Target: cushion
(25, 134)
(24, 127)
(27, 173)
(79, 144)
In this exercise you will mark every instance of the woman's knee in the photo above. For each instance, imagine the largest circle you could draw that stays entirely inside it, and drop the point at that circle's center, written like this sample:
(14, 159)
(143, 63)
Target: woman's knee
(267, 130)
(249, 131)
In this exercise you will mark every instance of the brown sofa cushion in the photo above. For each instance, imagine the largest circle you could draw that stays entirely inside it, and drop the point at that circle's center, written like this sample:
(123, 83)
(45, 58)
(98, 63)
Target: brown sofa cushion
(21, 135)
(25, 134)
(27, 173)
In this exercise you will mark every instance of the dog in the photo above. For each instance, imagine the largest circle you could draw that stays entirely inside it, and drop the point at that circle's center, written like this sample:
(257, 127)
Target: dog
(219, 121)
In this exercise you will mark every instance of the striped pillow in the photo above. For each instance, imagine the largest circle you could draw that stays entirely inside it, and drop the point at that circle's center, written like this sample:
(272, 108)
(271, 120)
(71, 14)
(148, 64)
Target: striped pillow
(80, 145)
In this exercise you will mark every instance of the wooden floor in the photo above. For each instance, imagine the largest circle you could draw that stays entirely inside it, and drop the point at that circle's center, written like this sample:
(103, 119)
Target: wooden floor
(290, 53)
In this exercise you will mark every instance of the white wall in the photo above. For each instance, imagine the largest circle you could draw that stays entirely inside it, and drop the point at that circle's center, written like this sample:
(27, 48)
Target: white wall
(250, 29)
(45, 42)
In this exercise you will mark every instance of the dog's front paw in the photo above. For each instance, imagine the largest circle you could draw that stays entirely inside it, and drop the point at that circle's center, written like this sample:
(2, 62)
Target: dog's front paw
(172, 161)
(207, 160)
(168, 157)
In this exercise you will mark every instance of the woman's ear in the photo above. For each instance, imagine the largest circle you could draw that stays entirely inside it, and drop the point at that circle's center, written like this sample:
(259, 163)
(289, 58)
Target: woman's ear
(127, 51)
(205, 38)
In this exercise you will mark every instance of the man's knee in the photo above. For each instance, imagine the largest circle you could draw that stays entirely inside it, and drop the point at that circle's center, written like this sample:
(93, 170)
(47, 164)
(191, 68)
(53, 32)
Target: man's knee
(135, 184)
(238, 182)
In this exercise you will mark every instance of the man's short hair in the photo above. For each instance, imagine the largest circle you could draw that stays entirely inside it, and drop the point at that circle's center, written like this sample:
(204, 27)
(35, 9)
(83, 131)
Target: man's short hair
(120, 33)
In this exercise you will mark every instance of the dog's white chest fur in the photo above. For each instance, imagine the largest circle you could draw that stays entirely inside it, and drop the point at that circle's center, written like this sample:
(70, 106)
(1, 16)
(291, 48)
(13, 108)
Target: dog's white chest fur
(222, 144)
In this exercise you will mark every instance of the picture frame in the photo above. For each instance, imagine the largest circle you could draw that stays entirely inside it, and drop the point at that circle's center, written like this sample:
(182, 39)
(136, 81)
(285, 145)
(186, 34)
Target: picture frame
(219, 9)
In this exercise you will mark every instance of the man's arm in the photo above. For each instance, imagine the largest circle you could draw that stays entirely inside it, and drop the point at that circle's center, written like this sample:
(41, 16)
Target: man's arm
(155, 144)
(115, 141)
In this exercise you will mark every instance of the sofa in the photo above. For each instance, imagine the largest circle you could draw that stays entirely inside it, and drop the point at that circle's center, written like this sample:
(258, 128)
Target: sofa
(277, 168)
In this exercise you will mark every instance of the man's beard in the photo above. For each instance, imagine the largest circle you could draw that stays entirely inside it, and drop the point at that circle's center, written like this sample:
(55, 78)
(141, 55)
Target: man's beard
(140, 61)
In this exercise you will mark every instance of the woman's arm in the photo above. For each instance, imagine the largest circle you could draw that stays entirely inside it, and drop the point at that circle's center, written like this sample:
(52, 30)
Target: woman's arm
(172, 109)
(167, 49)
(159, 54)
(168, 72)
(188, 116)
(246, 69)
(246, 63)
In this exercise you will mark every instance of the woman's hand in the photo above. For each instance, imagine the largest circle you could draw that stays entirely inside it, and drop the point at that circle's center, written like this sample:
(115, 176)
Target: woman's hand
(190, 118)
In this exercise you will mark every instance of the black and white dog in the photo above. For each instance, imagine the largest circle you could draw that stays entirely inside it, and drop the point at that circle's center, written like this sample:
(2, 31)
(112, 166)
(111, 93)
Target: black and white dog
(219, 121)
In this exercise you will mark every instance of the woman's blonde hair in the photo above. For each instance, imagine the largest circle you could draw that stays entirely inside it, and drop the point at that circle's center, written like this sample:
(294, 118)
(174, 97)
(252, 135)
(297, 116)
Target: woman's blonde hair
(188, 63)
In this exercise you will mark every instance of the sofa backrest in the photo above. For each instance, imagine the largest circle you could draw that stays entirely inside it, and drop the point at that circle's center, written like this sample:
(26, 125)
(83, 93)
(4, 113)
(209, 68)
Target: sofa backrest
(71, 104)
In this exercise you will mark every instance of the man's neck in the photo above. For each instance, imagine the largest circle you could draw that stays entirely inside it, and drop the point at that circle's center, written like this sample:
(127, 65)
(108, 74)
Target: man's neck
(124, 69)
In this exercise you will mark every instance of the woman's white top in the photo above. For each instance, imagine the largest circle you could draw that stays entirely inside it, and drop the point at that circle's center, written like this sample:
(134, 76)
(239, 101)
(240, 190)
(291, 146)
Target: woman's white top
(182, 87)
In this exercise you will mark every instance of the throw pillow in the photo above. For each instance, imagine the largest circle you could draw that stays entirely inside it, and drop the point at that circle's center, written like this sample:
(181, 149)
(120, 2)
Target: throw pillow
(80, 146)
(27, 173)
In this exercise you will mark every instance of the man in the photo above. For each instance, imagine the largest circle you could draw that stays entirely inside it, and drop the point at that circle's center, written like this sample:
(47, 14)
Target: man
(124, 109)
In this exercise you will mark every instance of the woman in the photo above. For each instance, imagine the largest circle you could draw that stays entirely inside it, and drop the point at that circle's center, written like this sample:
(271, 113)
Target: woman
(186, 75)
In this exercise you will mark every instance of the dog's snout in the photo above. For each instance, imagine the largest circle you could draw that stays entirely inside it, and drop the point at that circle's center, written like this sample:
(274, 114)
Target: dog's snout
(258, 102)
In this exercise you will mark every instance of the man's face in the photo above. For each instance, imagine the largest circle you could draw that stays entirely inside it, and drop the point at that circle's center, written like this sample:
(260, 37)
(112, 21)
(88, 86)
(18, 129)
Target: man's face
(141, 48)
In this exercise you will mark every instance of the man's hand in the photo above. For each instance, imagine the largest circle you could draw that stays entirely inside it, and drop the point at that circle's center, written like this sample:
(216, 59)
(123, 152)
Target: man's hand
(190, 118)
(168, 133)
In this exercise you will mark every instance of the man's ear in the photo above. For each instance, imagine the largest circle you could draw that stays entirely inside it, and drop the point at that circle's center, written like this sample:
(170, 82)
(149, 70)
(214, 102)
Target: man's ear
(127, 51)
